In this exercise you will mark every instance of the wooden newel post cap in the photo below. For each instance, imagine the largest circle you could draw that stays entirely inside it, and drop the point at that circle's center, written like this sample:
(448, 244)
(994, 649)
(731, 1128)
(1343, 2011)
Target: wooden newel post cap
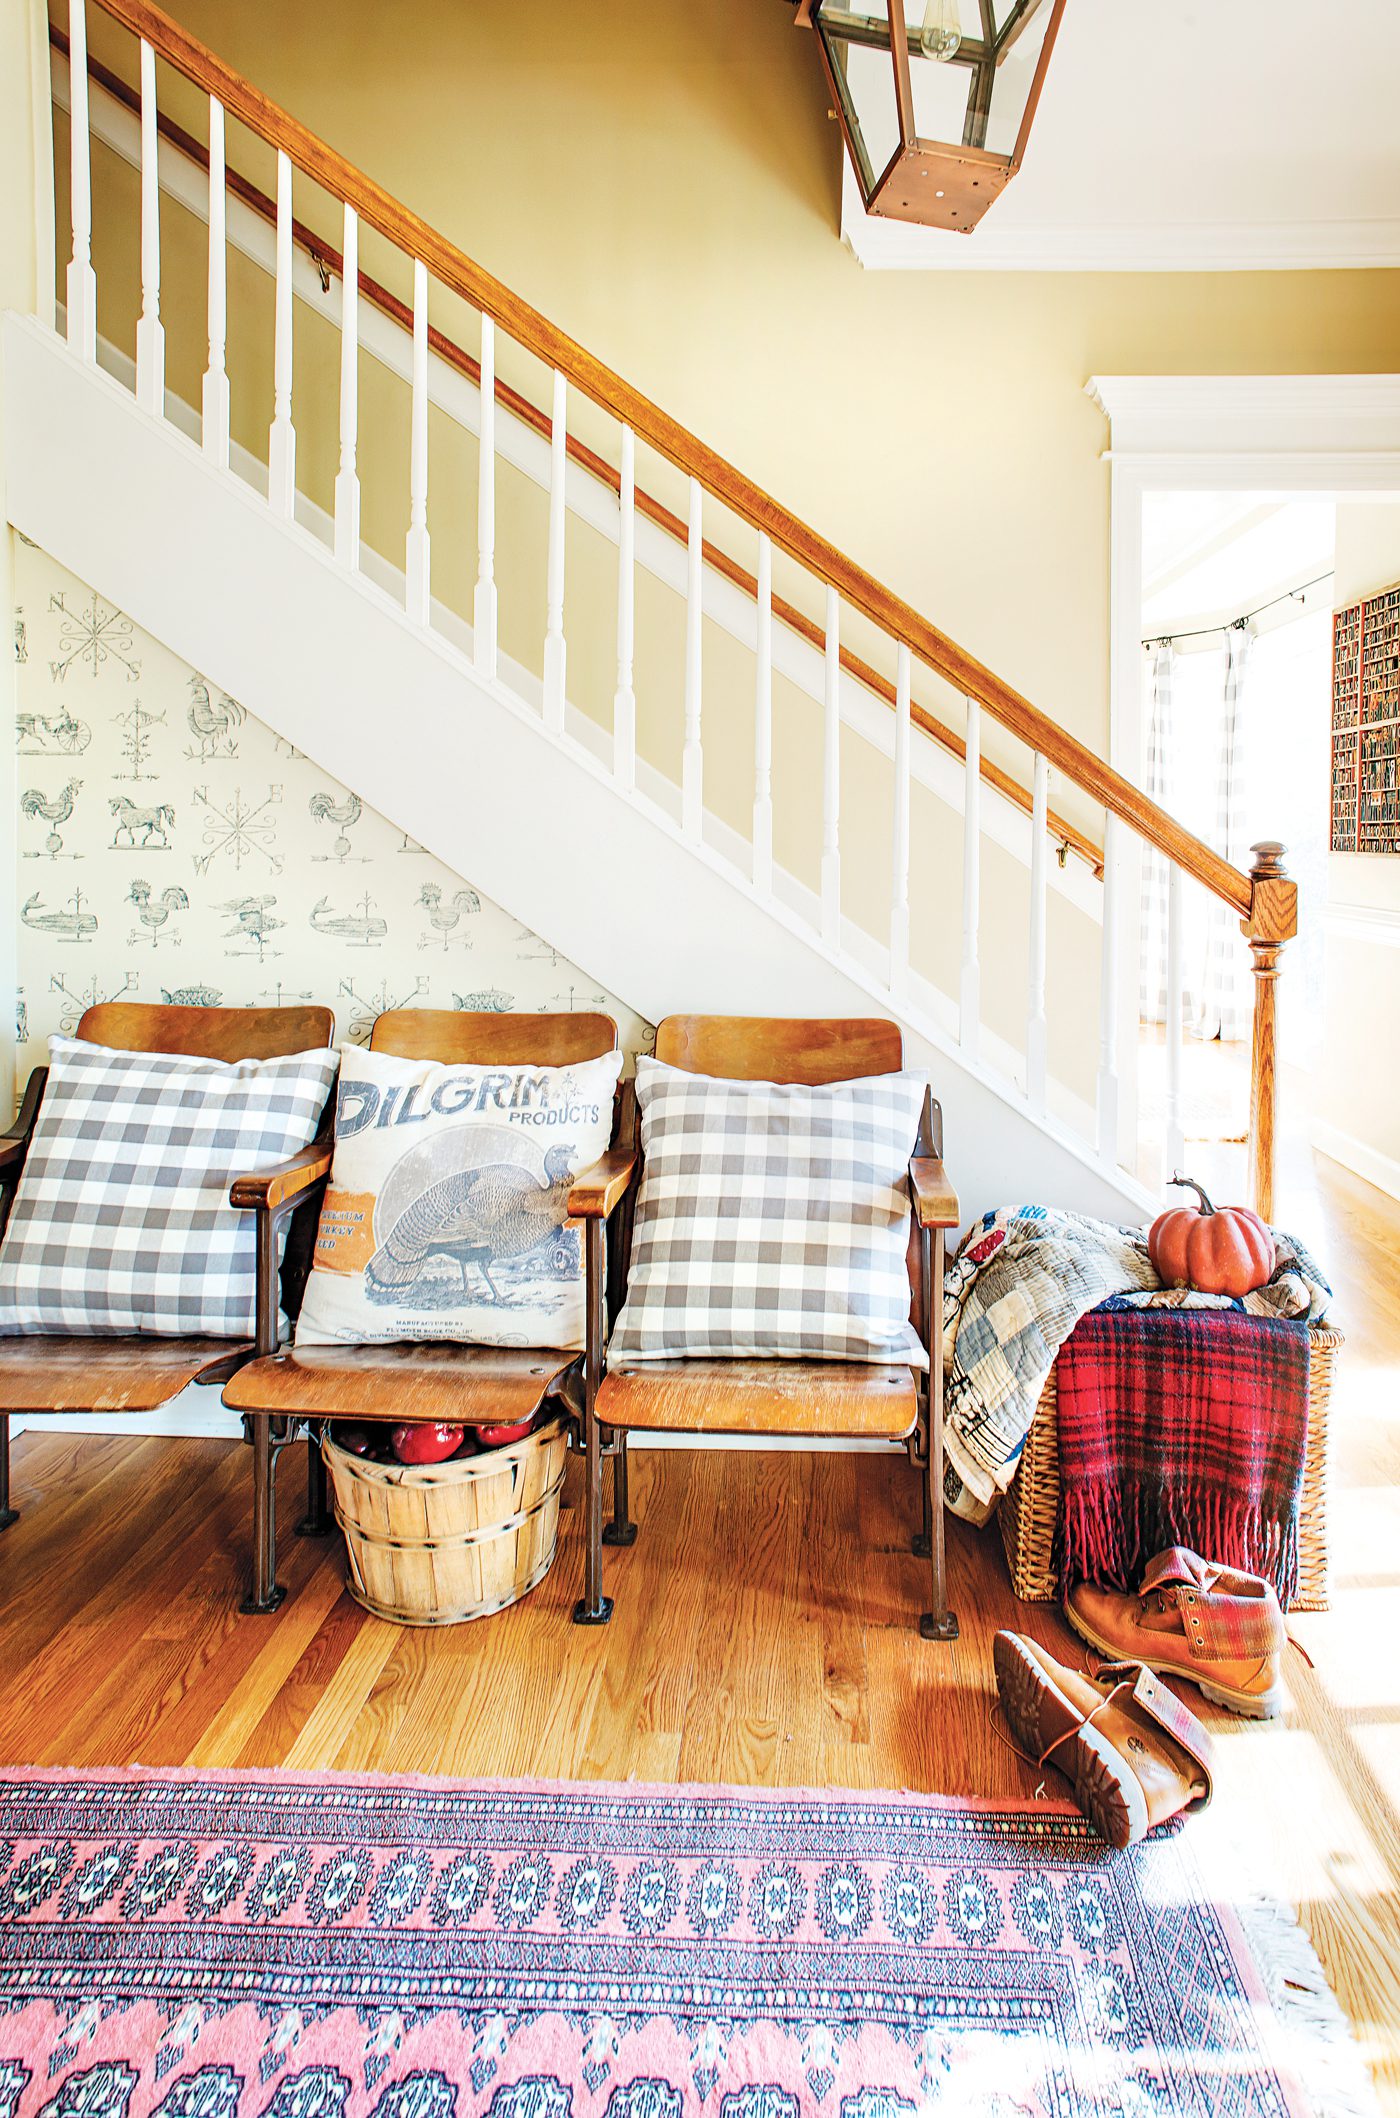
(1268, 858)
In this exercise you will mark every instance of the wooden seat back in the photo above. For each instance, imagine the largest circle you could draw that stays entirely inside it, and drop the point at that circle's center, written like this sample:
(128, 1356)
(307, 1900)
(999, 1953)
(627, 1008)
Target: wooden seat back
(207, 1033)
(810, 1051)
(469, 1037)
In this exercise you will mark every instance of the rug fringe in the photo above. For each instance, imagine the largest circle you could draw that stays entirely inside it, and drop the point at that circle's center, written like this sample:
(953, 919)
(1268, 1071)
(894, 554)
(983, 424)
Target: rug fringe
(1323, 2051)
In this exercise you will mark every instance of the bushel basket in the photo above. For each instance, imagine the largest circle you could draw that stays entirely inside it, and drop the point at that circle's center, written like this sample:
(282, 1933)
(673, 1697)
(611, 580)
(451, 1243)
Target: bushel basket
(433, 1544)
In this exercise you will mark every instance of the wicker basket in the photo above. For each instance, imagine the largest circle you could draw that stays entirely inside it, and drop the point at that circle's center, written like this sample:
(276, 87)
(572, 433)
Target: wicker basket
(1029, 1508)
(433, 1544)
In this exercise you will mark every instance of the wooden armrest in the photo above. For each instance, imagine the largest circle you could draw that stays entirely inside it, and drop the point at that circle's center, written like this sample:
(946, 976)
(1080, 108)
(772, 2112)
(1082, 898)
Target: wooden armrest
(935, 1201)
(12, 1147)
(267, 1189)
(597, 1191)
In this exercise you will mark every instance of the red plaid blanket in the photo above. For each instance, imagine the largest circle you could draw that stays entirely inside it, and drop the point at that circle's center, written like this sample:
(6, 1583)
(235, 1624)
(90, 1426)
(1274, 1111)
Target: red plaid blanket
(1181, 1426)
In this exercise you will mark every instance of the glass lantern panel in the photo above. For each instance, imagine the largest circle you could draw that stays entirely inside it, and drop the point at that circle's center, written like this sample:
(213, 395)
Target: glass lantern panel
(1015, 73)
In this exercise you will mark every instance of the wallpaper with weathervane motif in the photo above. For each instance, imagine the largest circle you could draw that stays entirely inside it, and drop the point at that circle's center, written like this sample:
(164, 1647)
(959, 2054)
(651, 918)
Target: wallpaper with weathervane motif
(172, 848)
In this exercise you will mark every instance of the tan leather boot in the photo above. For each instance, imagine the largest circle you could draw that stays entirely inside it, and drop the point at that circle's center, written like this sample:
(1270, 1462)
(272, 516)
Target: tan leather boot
(1221, 1630)
(1132, 1753)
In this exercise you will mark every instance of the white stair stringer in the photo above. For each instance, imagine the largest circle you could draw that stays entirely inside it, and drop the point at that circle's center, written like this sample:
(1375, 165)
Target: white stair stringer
(465, 766)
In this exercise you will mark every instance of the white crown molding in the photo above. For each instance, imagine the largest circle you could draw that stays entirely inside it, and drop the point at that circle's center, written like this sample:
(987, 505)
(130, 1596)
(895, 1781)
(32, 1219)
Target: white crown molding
(1233, 420)
(1120, 246)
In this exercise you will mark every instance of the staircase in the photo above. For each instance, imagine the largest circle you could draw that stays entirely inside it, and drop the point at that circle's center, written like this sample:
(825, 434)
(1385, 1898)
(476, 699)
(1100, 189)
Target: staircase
(602, 816)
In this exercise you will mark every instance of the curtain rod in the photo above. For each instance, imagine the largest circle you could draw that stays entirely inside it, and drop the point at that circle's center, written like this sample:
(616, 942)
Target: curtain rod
(1290, 595)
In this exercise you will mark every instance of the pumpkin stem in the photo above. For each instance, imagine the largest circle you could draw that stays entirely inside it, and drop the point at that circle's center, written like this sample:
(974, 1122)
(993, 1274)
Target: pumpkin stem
(1190, 1184)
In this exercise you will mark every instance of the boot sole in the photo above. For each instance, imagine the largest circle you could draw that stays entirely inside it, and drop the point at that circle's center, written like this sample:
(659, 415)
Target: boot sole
(1106, 1791)
(1249, 1705)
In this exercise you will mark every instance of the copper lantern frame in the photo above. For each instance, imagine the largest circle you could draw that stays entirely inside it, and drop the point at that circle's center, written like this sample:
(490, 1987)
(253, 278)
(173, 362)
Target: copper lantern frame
(934, 183)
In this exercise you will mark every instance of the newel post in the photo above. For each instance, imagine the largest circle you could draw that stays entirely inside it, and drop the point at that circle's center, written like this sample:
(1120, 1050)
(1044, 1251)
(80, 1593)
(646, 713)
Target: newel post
(1272, 920)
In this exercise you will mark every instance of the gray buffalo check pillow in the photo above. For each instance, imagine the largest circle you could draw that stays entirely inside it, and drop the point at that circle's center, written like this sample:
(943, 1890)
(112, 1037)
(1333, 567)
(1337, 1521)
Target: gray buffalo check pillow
(771, 1220)
(121, 1222)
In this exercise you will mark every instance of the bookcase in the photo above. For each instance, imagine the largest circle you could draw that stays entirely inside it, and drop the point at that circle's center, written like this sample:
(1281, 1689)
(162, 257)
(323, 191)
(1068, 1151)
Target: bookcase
(1366, 725)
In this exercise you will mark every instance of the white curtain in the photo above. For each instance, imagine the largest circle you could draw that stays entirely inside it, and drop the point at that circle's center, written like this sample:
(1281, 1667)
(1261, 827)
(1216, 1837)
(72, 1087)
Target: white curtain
(1226, 1000)
(1160, 752)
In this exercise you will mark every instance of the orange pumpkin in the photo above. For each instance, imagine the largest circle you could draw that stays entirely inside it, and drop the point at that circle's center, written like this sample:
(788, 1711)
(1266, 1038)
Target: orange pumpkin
(1224, 1250)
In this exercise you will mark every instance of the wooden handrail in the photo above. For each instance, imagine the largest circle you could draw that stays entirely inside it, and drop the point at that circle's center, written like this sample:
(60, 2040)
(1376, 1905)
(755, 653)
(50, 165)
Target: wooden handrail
(856, 587)
(325, 255)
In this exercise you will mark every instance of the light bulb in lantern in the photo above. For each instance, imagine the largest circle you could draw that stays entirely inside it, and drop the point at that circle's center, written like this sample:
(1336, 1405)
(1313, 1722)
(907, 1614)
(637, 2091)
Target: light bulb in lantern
(942, 31)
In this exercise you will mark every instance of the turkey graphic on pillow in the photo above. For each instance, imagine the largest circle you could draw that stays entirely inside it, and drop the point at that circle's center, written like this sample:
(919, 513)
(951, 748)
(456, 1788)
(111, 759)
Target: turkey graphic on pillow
(499, 1207)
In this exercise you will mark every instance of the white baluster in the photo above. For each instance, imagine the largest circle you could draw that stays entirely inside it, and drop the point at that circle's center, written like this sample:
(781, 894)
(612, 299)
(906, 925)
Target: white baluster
(831, 776)
(215, 391)
(763, 725)
(150, 332)
(555, 647)
(484, 601)
(82, 280)
(692, 757)
(899, 835)
(625, 698)
(1035, 1024)
(417, 558)
(347, 483)
(1175, 1140)
(1108, 997)
(282, 439)
(970, 979)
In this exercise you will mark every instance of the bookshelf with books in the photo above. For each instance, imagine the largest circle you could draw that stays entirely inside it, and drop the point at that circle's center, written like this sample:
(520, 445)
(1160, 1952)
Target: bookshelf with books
(1366, 725)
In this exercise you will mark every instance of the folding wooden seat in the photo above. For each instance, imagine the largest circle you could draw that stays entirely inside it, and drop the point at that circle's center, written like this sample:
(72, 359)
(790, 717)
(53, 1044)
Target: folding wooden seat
(142, 1372)
(290, 1387)
(803, 1399)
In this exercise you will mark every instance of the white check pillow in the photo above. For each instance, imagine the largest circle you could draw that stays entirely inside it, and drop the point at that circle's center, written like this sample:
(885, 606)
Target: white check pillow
(121, 1222)
(771, 1220)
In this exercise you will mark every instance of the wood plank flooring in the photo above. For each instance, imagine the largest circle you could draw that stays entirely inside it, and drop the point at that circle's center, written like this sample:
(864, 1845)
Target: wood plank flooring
(764, 1634)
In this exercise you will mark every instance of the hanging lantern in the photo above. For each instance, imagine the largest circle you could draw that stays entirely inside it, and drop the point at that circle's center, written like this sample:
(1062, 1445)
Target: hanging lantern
(936, 114)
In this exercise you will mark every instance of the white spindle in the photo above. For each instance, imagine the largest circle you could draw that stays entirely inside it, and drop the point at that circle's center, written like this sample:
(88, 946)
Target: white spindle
(1108, 997)
(484, 602)
(347, 484)
(899, 835)
(150, 332)
(831, 776)
(970, 979)
(763, 724)
(215, 391)
(1035, 1021)
(1175, 1141)
(282, 440)
(417, 559)
(625, 698)
(692, 757)
(555, 647)
(82, 280)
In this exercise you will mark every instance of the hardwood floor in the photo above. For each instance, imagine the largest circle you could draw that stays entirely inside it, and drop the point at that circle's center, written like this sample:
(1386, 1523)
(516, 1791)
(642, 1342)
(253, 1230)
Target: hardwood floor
(763, 1634)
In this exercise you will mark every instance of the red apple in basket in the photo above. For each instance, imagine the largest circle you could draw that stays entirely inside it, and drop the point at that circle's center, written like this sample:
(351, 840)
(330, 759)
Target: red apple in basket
(359, 1437)
(497, 1437)
(425, 1441)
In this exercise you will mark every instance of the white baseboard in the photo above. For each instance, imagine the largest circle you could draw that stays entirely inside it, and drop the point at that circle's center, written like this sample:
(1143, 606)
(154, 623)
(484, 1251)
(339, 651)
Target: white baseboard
(1358, 1156)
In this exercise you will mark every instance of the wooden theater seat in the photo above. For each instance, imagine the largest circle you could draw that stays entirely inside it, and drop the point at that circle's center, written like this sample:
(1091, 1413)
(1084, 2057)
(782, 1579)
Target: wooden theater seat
(287, 1388)
(801, 1399)
(141, 1372)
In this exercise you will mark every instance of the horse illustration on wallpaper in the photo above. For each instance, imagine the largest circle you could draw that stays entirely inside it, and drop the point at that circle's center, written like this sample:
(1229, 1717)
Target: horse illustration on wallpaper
(154, 824)
(478, 1199)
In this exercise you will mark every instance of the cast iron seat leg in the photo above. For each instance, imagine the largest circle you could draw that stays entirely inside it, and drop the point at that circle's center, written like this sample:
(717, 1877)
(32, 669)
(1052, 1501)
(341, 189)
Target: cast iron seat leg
(593, 1607)
(621, 1530)
(921, 1543)
(939, 1623)
(7, 1513)
(318, 1520)
(265, 1593)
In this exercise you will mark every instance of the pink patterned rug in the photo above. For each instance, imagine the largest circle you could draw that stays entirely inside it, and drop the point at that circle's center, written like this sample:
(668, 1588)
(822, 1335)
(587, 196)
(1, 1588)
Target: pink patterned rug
(237, 1945)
